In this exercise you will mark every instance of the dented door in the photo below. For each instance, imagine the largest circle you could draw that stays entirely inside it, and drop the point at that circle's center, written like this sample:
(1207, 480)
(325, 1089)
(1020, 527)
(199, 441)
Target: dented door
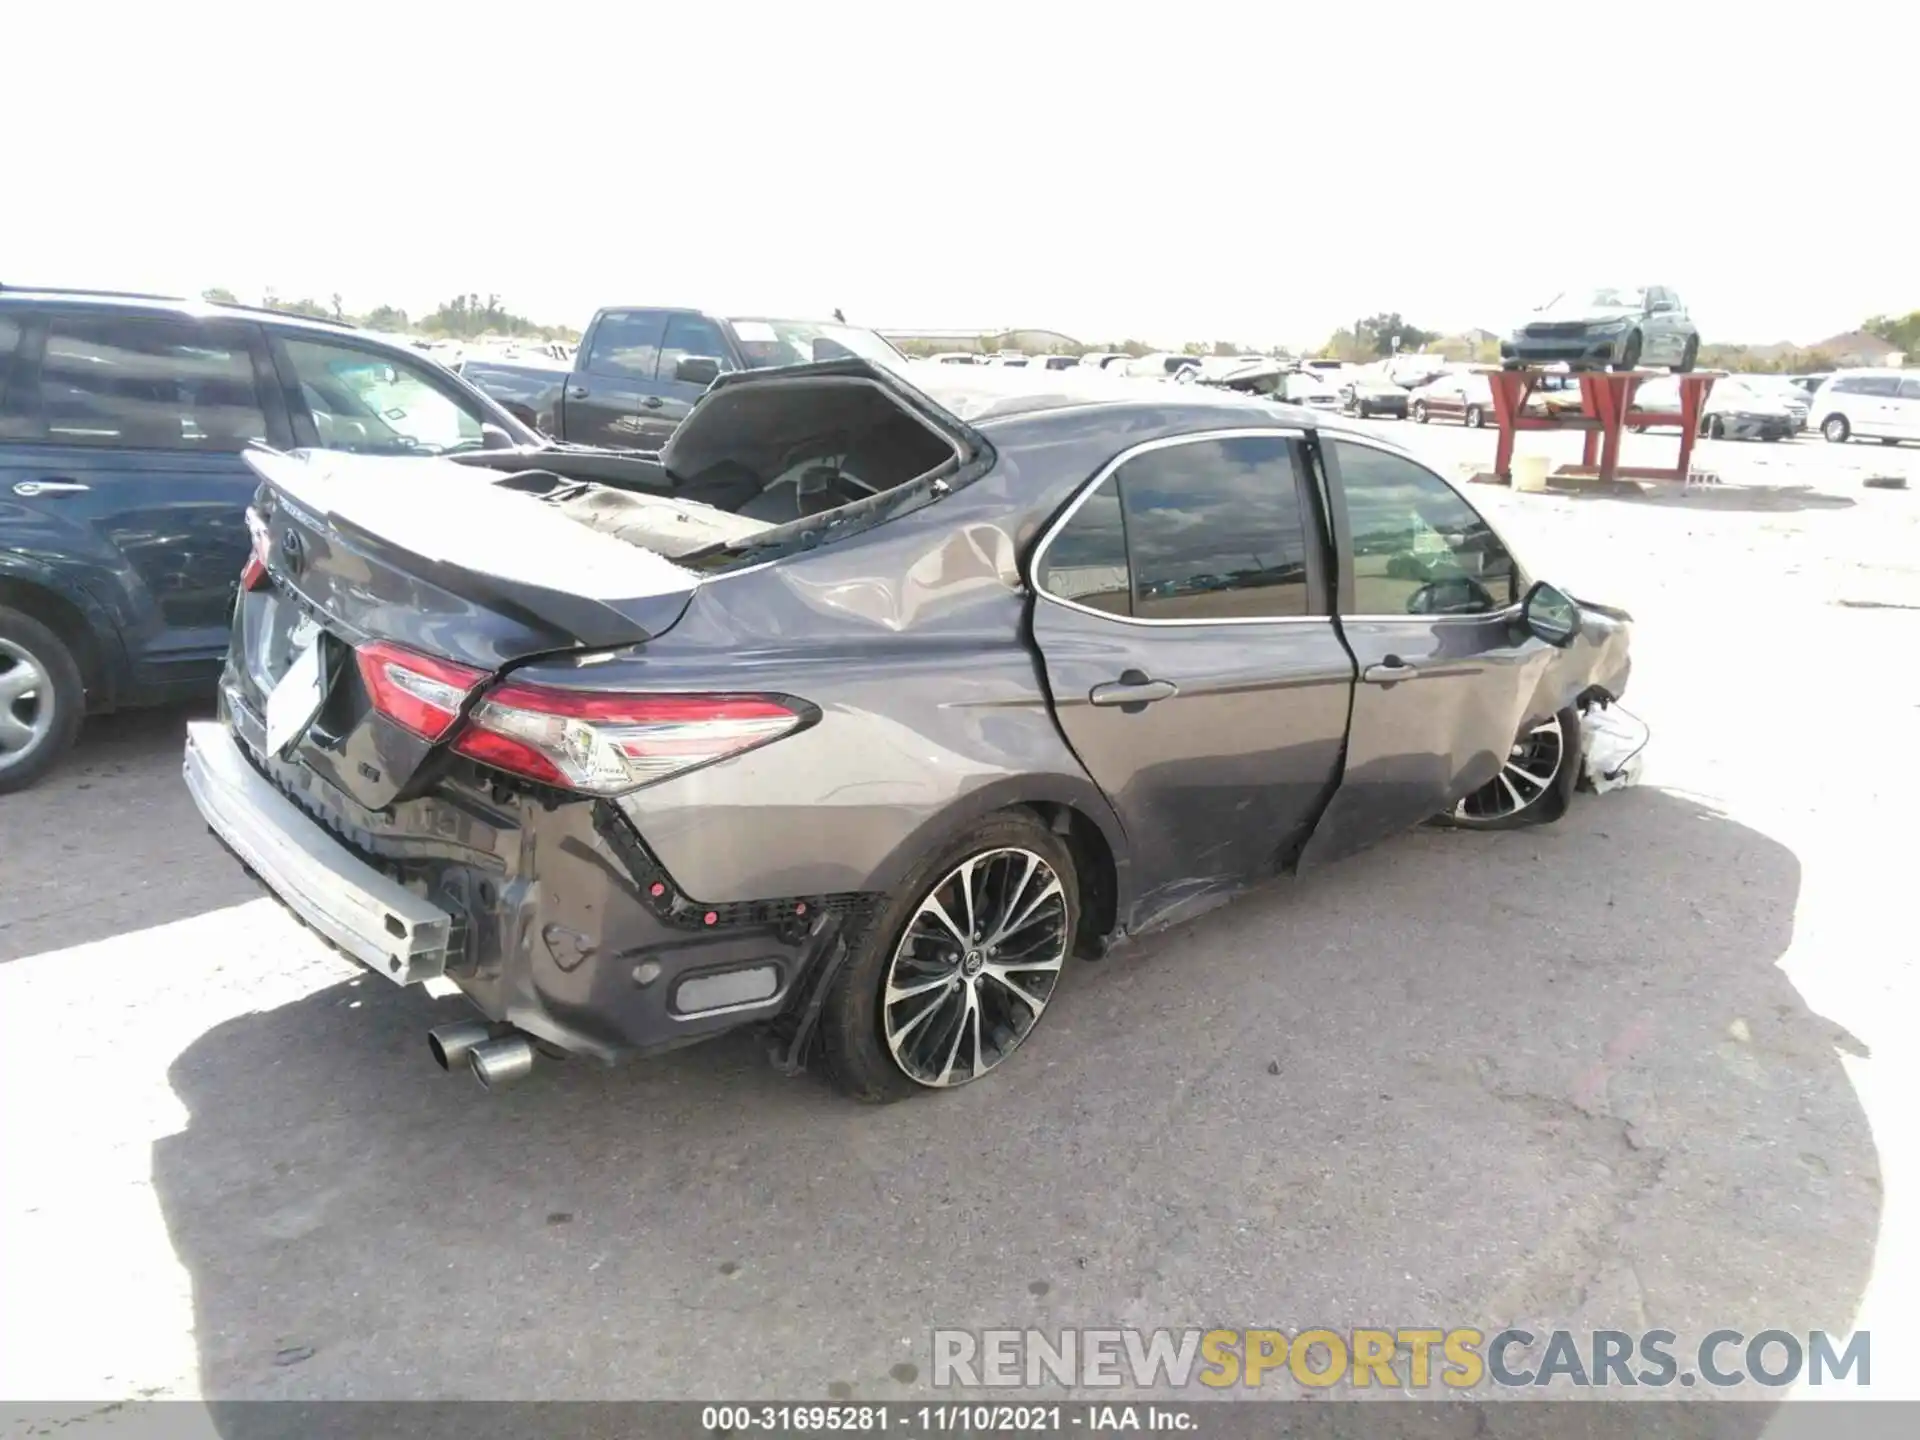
(1191, 670)
(1447, 672)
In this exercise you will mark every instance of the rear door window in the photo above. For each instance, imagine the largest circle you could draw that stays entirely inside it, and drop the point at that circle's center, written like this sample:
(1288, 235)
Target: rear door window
(1910, 389)
(1881, 385)
(627, 343)
(1215, 531)
(145, 382)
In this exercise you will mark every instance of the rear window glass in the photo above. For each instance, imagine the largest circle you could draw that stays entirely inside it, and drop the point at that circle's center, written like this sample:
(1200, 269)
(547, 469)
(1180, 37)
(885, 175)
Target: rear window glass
(148, 383)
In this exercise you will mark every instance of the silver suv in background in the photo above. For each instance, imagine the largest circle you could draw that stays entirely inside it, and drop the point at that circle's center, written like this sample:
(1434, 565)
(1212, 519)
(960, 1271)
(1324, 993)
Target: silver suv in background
(1881, 405)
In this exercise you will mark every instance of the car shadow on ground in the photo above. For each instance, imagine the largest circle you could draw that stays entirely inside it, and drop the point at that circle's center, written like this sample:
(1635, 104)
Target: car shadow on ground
(1551, 1077)
(118, 806)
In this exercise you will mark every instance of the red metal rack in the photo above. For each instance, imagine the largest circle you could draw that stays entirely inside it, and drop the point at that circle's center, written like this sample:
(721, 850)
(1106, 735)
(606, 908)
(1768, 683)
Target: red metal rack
(1606, 409)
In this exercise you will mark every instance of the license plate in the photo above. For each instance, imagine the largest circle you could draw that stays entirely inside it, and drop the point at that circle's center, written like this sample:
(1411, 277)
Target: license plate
(296, 697)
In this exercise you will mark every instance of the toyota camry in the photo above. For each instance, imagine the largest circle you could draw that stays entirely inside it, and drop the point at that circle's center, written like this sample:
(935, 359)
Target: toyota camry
(868, 707)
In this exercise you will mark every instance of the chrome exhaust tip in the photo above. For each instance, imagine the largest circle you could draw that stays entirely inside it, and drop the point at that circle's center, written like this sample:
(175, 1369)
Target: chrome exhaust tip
(501, 1062)
(453, 1044)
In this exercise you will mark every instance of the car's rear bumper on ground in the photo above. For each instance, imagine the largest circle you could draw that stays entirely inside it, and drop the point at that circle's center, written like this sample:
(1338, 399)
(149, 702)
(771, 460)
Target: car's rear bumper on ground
(374, 919)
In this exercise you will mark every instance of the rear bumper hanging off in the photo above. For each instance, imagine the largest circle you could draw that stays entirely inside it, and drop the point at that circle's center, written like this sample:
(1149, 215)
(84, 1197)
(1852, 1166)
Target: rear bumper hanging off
(377, 921)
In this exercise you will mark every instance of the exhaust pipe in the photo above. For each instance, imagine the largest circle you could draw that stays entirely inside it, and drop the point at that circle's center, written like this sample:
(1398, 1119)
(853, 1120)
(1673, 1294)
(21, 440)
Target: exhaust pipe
(453, 1044)
(498, 1063)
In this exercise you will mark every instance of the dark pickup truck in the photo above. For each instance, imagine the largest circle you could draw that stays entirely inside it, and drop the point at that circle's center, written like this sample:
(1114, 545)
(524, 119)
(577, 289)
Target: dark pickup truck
(639, 370)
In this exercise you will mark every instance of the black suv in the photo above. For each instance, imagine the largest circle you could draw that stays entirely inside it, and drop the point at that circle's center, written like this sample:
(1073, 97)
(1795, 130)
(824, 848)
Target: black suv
(123, 494)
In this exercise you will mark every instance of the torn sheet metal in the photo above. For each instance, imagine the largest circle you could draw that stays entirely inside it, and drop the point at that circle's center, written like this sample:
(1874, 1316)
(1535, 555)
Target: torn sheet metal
(1613, 745)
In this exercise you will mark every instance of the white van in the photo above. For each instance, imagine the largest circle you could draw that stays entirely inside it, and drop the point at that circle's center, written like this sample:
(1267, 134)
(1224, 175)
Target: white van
(1883, 405)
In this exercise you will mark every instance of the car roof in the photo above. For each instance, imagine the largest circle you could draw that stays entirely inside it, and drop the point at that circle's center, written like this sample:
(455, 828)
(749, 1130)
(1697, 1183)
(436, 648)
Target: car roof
(122, 302)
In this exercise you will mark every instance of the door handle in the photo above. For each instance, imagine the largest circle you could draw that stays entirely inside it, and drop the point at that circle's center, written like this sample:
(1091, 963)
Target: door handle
(652, 402)
(577, 392)
(27, 489)
(1389, 671)
(1133, 688)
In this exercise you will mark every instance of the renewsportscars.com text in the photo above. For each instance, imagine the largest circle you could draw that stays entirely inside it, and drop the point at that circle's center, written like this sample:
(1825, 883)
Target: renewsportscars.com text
(1403, 1358)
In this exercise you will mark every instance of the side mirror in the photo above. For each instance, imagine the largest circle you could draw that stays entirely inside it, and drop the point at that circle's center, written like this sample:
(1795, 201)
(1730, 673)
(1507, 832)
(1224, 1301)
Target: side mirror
(696, 369)
(493, 437)
(1551, 615)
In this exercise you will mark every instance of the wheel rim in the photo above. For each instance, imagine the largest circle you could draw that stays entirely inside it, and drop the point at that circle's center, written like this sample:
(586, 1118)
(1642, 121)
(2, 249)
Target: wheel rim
(974, 968)
(26, 704)
(1836, 430)
(1527, 774)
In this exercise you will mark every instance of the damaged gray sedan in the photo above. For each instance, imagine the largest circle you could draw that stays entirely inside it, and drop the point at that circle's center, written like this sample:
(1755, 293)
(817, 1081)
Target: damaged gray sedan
(869, 707)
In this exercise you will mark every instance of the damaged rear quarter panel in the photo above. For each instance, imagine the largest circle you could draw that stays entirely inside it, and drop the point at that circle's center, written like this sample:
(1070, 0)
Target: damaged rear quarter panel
(912, 641)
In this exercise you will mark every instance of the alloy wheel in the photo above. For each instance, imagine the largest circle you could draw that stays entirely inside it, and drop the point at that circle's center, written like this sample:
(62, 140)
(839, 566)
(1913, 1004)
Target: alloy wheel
(26, 704)
(975, 967)
(1527, 774)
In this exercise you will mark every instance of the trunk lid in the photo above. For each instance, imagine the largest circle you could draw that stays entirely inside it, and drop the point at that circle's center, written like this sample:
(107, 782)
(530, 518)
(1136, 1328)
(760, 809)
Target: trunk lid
(433, 558)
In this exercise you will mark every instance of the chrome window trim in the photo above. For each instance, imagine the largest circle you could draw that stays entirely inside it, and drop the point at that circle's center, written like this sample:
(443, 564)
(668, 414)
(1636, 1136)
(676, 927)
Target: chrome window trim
(1101, 476)
(1511, 611)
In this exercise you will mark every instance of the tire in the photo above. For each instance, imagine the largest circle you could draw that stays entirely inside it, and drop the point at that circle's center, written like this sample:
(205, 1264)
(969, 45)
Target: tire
(1474, 418)
(1419, 412)
(1543, 797)
(1836, 429)
(1688, 356)
(903, 943)
(1630, 353)
(42, 700)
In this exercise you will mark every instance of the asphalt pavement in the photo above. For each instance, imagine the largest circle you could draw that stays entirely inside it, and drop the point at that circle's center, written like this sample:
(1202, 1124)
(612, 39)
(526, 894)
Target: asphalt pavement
(1648, 1066)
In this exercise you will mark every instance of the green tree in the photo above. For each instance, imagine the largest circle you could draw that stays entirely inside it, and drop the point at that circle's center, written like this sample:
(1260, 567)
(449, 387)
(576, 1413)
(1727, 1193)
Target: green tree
(1380, 332)
(218, 296)
(301, 307)
(466, 317)
(385, 317)
(1900, 330)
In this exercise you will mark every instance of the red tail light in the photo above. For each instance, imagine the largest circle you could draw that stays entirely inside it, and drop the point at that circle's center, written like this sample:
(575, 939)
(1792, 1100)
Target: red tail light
(255, 570)
(606, 744)
(417, 692)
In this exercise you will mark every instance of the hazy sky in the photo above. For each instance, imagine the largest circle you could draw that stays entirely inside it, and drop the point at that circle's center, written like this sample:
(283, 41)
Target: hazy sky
(1166, 171)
